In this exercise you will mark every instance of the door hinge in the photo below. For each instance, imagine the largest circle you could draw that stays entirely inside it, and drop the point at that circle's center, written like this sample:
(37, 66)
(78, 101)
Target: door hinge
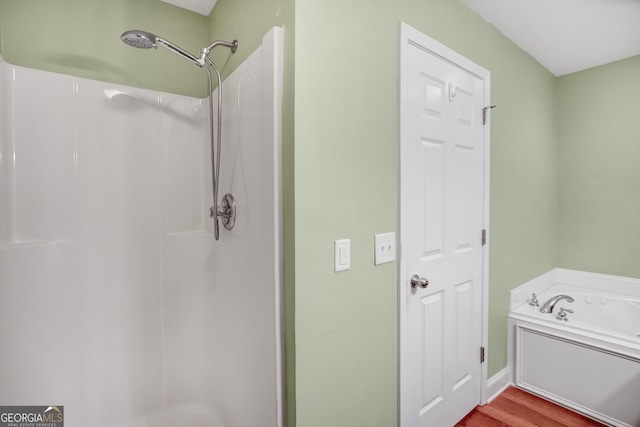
(484, 113)
(484, 237)
(481, 354)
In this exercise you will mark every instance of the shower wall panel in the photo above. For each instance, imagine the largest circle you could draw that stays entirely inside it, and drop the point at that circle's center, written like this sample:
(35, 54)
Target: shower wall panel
(4, 154)
(228, 326)
(80, 301)
(115, 299)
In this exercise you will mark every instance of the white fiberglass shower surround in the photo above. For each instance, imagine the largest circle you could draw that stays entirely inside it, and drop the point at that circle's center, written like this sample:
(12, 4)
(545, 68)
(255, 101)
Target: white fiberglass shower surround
(116, 301)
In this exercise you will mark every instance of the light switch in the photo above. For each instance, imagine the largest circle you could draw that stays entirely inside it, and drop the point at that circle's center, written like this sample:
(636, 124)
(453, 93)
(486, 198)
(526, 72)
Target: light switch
(385, 248)
(342, 255)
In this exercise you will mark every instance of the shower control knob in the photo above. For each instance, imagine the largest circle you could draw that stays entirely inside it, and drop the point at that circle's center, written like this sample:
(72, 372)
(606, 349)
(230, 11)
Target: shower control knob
(419, 282)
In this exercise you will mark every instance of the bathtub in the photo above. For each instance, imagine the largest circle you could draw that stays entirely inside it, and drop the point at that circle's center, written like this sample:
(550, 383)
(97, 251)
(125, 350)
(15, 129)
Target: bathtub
(589, 362)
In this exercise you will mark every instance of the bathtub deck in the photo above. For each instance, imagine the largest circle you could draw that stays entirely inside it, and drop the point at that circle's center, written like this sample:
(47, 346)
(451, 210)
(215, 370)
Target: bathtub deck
(515, 407)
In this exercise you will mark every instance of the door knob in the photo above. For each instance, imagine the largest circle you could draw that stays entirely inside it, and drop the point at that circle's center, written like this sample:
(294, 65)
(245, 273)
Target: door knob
(419, 282)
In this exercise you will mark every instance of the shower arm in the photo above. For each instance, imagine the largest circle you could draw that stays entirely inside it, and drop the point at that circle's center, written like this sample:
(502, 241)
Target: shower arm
(204, 53)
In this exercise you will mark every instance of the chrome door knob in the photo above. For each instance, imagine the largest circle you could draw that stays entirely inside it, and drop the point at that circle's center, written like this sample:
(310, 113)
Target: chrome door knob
(419, 282)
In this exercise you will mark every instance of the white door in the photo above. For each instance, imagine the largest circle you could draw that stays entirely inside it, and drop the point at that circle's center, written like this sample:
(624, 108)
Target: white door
(442, 217)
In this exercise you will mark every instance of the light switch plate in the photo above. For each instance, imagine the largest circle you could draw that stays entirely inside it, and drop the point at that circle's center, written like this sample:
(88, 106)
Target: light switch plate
(342, 255)
(385, 248)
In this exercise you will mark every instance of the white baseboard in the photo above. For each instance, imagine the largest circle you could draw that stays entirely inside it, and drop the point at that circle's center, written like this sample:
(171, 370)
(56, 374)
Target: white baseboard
(498, 383)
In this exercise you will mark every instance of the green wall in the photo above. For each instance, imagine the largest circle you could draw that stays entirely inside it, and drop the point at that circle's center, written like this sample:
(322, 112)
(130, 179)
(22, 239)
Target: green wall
(346, 60)
(248, 21)
(599, 175)
(82, 38)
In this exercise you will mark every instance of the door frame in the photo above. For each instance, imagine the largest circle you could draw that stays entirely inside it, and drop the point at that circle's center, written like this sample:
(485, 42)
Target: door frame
(411, 37)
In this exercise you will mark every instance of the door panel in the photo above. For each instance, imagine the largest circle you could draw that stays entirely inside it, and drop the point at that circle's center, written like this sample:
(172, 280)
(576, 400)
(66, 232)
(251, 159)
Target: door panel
(433, 314)
(432, 198)
(442, 217)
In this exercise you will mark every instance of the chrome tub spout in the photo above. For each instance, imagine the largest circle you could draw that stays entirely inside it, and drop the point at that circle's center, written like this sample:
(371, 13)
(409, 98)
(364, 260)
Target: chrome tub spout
(548, 306)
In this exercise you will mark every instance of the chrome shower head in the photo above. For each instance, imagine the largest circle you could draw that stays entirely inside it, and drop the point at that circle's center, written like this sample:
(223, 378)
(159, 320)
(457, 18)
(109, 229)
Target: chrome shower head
(145, 40)
(139, 39)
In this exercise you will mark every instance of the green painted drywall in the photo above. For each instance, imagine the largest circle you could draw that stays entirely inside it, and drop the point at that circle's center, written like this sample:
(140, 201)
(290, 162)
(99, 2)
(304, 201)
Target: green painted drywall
(346, 187)
(82, 38)
(599, 176)
(247, 21)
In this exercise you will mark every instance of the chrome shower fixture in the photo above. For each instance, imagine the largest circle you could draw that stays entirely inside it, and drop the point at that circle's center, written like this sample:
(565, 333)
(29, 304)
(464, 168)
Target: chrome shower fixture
(204, 53)
(226, 211)
(145, 40)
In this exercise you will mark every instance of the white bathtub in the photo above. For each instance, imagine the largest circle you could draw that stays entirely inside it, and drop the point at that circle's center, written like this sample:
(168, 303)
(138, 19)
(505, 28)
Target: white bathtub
(591, 362)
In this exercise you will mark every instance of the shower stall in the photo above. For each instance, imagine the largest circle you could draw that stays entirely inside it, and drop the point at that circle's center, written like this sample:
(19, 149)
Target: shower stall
(116, 300)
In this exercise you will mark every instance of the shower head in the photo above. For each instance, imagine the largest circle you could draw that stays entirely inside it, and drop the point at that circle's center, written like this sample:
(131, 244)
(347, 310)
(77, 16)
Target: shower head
(145, 40)
(139, 39)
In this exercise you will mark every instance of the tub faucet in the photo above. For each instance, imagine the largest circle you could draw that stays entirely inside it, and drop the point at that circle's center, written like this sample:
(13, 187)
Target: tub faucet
(548, 306)
(562, 314)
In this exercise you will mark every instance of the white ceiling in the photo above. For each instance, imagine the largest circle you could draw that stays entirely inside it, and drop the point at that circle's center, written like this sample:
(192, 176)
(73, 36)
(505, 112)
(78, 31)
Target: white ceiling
(566, 36)
(201, 6)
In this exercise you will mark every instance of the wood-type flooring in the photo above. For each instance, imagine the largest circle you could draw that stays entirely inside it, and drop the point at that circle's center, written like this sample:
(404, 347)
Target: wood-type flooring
(517, 408)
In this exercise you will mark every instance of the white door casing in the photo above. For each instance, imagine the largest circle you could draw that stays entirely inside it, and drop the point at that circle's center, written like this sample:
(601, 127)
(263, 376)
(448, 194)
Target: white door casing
(444, 182)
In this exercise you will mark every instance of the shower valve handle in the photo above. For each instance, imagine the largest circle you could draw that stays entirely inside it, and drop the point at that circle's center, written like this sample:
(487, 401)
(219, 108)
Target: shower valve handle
(226, 211)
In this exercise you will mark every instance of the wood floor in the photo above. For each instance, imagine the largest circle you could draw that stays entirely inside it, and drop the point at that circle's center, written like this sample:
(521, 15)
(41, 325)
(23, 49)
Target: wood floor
(518, 408)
